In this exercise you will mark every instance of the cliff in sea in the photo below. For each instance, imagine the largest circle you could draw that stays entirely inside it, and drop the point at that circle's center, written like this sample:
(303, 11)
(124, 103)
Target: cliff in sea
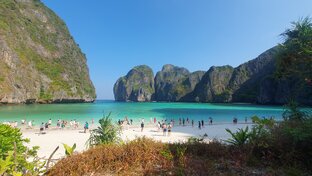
(137, 85)
(250, 82)
(39, 59)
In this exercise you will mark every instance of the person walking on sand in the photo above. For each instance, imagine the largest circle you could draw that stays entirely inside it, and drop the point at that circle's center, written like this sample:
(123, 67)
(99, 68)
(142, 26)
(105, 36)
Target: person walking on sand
(23, 121)
(169, 129)
(86, 127)
(199, 125)
(41, 128)
(164, 129)
(30, 124)
(142, 125)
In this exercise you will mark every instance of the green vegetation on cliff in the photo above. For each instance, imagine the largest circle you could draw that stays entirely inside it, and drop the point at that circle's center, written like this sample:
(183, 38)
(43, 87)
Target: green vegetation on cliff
(41, 60)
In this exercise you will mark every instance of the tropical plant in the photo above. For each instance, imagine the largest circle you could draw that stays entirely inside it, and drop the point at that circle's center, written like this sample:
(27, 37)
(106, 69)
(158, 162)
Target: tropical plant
(106, 133)
(296, 52)
(293, 112)
(239, 137)
(15, 157)
(69, 150)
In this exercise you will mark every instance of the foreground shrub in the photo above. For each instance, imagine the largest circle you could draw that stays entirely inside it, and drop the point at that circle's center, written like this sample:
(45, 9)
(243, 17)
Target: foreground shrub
(106, 133)
(139, 156)
(15, 157)
(146, 157)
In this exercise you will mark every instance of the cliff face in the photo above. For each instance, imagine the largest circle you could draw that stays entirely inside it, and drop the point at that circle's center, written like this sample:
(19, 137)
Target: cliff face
(137, 85)
(171, 83)
(251, 82)
(213, 85)
(39, 60)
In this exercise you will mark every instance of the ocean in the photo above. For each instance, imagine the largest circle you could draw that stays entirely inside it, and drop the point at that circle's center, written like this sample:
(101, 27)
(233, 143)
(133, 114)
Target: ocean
(221, 113)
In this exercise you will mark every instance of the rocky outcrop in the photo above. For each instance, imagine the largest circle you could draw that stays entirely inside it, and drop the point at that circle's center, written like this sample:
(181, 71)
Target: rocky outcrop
(137, 85)
(39, 60)
(173, 83)
(169, 83)
(213, 86)
(247, 78)
(251, 82)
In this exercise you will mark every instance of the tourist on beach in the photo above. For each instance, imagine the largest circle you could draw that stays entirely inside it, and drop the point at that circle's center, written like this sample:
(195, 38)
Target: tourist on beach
(245, 119)
(199, 124)
(192, 123)
(210, 121)
(142, 125)
(154, 119)
(180, 121)
(119, 122)
(50, 122)
(131, 121)
(46, 125)
(202, 123)
(30, 124)
(158, 126)
(235, 120)
(41, 128)
(183, 122)
(86, 127)
(187, 120)
(169, 129)
(164, 126)
(63, 124)
(58, 124)
(23, 121)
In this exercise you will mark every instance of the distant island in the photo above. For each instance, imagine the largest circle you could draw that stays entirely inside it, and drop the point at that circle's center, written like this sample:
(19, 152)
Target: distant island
(39, 59)
(256, 81)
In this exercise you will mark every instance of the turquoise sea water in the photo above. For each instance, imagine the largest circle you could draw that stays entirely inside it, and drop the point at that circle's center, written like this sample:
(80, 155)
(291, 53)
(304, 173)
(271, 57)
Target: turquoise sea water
(221, 113)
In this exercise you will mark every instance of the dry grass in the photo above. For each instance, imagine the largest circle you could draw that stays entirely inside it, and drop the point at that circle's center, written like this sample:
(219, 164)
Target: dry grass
(147, 157)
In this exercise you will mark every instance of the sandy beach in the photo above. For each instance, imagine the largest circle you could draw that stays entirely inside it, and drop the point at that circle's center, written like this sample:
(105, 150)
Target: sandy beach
(56, 137)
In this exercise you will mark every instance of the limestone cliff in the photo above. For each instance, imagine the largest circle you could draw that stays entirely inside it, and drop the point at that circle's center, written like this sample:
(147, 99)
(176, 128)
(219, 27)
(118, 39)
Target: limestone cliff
(250, 82)
(170, 83)
(137, 85)
(39, 59)
(213, 85)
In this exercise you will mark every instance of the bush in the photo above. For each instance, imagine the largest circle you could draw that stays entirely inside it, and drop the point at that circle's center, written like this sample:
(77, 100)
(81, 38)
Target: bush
(106, 133)
(14, 156)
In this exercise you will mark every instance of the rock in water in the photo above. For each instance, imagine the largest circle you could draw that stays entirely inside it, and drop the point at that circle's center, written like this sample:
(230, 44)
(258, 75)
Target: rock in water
(137, 85)
(39, 59)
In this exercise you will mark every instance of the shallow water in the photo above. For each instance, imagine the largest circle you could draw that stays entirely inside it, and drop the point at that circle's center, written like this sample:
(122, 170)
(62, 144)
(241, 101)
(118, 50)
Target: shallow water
(221, 113)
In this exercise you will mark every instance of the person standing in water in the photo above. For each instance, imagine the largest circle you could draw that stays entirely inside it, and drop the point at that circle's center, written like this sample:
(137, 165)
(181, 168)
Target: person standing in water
(192, 123)
(199, 125)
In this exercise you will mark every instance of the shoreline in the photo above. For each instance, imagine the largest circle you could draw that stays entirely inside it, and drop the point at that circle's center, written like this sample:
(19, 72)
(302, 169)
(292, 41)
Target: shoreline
(56, 137)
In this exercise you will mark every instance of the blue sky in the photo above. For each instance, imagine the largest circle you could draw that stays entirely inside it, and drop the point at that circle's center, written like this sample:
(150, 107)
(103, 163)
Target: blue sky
(117, 35)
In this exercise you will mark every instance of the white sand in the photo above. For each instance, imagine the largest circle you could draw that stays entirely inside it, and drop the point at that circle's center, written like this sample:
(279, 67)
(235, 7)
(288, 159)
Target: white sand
(53, 138)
